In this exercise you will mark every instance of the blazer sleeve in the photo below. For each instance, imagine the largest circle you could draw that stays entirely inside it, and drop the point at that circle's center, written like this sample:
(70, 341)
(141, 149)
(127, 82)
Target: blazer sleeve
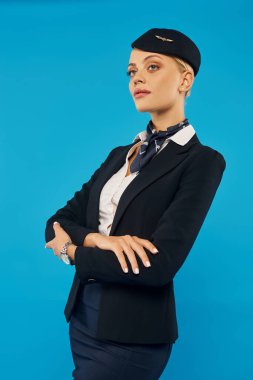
(174, 236)
(72, 216)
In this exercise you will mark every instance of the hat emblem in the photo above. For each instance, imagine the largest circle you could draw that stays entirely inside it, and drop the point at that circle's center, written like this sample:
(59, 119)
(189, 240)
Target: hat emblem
(163, 38)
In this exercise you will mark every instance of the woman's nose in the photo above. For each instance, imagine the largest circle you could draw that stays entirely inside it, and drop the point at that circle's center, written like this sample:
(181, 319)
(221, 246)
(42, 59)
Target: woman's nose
(138, 77)
(136, 80)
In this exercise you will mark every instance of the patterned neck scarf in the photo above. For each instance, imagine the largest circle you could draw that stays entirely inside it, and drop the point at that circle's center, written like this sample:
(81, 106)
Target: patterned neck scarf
(153, 143)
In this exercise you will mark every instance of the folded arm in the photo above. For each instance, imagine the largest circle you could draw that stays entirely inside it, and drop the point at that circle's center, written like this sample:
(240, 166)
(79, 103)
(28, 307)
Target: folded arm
(174, 236)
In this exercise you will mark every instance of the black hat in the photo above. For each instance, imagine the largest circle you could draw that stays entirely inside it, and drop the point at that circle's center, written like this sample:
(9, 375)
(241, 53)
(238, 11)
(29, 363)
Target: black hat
(170, 42)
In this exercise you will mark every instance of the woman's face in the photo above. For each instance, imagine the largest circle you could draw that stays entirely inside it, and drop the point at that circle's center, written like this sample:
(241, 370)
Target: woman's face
(158, 74)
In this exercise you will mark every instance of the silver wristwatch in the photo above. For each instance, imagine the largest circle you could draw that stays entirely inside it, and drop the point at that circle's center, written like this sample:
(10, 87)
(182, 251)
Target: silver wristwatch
(63, 254)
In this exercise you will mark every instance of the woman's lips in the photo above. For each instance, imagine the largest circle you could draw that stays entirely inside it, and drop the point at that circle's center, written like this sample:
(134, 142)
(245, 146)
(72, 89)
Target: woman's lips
(141, 94)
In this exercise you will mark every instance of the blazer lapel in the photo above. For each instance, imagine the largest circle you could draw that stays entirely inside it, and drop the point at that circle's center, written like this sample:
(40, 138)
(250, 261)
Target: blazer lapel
(165, 161)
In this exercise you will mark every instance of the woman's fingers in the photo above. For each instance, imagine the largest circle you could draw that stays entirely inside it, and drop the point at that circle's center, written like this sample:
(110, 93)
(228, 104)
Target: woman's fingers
(129, 246)
(138, 249)
(140, 252)
(121, 257)
(146, 243)
(131, 255)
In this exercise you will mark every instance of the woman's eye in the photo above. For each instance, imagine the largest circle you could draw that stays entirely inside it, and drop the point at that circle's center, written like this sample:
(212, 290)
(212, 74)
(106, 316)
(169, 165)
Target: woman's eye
(153, 65)
(129, 72)
(134, 71)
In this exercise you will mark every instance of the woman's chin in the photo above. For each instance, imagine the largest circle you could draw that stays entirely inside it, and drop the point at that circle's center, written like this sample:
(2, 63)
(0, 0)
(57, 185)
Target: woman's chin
(143, 107)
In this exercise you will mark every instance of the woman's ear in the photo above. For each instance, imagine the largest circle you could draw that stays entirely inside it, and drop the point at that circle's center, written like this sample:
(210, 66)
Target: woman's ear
(186, 82)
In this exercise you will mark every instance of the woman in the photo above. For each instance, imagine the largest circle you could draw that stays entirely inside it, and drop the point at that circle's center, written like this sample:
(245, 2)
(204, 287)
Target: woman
(130, 228)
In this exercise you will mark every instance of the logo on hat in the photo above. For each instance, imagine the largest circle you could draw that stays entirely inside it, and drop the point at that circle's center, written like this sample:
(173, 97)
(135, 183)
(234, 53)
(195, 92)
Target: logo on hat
(164, 39)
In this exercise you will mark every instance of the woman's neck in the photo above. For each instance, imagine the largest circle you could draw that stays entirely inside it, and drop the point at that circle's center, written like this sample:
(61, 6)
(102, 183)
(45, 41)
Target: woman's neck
(161, 121)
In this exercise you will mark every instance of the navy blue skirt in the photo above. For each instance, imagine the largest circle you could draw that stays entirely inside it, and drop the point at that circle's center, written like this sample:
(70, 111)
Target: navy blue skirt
(99, 360)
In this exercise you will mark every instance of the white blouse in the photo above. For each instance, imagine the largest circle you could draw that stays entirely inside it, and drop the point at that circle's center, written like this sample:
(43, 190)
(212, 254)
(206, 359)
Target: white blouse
(115, 186)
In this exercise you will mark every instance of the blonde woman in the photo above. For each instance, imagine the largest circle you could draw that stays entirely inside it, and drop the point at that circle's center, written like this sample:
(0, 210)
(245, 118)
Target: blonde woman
(129, 229)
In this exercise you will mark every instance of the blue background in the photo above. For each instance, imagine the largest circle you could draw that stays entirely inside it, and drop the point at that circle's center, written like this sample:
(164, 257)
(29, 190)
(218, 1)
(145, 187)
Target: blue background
(64, 104)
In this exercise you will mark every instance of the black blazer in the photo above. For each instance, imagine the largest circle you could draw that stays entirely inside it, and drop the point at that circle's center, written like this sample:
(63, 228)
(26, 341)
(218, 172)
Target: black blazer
(166, 203)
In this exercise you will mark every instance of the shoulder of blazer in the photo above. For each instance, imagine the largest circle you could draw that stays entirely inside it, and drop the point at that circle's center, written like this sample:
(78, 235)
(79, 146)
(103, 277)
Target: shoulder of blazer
(207, 151)
(204, 153)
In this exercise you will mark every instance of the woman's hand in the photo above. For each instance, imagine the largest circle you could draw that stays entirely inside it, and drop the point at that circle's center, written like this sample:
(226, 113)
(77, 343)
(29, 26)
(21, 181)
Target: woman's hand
(61, 237)
(121, 245)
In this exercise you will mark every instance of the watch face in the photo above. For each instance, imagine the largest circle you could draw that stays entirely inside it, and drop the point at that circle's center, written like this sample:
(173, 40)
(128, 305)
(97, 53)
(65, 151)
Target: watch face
(65, 258)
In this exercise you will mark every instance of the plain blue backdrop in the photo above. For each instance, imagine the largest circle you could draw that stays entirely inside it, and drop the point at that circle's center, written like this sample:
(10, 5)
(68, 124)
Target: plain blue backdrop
(64, 104)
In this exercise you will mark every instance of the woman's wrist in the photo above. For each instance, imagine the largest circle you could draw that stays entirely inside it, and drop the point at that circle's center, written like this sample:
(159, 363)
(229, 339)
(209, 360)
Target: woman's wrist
(90, 239)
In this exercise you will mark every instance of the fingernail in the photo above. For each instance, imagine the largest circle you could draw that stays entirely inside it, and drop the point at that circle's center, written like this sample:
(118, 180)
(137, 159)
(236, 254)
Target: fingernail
(136, 270)
(55, 223)
(126, 270)
(148, 264)
(155, 250)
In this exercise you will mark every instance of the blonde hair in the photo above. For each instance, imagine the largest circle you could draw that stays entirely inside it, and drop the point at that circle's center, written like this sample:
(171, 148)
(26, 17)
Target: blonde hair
(184, 66)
